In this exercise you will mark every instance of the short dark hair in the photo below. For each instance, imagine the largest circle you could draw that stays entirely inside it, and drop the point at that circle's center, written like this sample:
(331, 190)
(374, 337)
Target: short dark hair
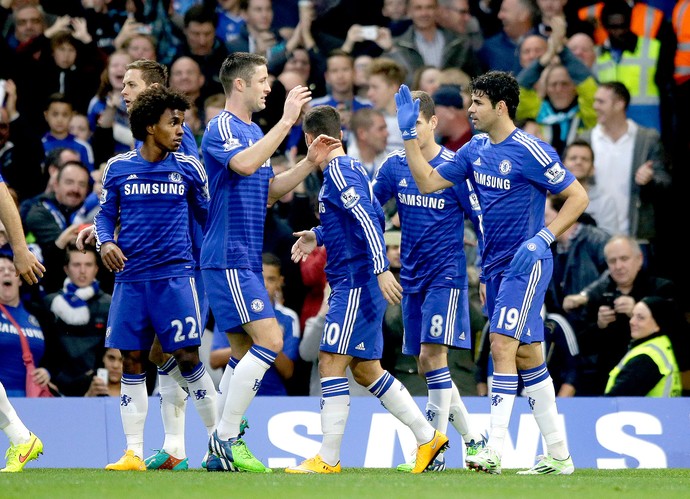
(151, 71)
(578, 143)
(322, 120)
(72, 248)
(613, 8)
(150, 105)
(72, 162)
(363, 118)
(201, 14)
(268, 258)
(427, 108)
(239, 65)
(619, 90)
(498, 86)
(59, 98)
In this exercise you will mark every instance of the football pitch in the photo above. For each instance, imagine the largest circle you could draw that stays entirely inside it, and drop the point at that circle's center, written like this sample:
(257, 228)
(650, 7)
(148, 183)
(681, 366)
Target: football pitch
(351, 483)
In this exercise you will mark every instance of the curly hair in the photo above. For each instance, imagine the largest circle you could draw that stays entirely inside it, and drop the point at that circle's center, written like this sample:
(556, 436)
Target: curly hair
(148, 108)
(498, 86)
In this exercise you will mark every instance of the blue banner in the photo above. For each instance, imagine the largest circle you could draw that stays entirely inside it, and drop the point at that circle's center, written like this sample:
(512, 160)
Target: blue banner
(602, 432)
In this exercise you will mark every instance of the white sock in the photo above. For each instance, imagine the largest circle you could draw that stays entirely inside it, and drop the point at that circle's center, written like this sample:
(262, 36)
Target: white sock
(224, 385)
(134, 404)
(173, 370)
(542, 399)
(503, 392)
(243, 386)
(460, 418)
(398, 401)
(173, 406)
(10, 423)
(335, 408)
(202, 391)
(439, 384)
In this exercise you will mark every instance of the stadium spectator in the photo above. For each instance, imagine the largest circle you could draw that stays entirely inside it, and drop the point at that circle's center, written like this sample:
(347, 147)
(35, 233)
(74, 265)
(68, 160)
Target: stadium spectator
(112, 363)
(426, 78)
(631, 168)
(384, 78)
(141, 46)
(369, 291)
(582, 47)
(79, 313)
(649, 368)
(187, 78)
(58, 113)
(369, 139)
(578, 157)
(604, 330)
(455, 15)
(453, 128)
(50, 219)
(518, 18)
(426, 43)
(21, 151)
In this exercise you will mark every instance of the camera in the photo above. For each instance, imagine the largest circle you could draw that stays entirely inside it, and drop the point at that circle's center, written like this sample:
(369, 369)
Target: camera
(3, 92)
(370, 32)
(102, 373)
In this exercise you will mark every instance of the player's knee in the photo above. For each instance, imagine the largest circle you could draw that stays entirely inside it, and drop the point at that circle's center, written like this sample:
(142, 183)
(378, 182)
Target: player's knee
(158, 357)
(187, 359)
(132, 362)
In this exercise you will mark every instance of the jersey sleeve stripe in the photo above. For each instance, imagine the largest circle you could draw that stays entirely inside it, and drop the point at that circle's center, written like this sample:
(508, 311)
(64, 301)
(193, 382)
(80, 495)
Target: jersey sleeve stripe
(372, 240)
(534, 148)
(337, 175)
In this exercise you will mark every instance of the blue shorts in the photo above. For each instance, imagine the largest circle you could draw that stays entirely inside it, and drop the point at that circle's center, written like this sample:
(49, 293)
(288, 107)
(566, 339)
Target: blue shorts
(203, 299)
(439, 315)
(167, 308)
(354, 322)
(237, 296)
(514, 302)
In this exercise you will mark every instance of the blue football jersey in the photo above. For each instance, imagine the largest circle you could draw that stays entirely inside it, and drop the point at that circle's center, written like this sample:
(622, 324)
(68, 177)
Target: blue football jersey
(151, 201)
(235, 229)
(352, 222)
(511, 180)
(432, 246)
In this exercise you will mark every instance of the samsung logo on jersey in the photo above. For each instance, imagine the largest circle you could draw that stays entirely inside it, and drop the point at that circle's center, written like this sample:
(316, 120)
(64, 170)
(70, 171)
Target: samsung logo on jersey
(157, 188)
(29, 332)
(491, 181)
(423, 201)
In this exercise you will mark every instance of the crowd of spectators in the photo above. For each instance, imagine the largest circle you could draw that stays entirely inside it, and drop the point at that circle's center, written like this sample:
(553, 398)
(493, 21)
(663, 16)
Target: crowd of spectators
(606, 83)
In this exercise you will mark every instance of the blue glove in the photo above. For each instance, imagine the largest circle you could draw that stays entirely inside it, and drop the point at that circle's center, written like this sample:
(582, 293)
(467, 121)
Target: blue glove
(408, 111)
(531, 251)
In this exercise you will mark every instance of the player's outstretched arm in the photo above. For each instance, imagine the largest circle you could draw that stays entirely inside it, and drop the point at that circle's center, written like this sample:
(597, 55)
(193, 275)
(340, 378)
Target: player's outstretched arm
(26, 263)
(304, 245)
(318, 152)
(390, 287)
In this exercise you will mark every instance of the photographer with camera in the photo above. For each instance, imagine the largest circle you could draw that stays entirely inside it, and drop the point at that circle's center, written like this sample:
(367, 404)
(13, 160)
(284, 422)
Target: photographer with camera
(604, 335)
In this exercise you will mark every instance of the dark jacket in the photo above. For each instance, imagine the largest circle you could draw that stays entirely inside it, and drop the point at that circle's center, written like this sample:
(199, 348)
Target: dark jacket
(78, 349)
(457, 53)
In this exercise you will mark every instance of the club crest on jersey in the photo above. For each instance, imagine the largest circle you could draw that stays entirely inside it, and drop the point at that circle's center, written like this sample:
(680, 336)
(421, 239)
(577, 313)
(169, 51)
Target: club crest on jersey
(257, 305)
(104, 195)
(505, 167)
(175, 177)
(349, 198)
(555, 174)
(33, 321)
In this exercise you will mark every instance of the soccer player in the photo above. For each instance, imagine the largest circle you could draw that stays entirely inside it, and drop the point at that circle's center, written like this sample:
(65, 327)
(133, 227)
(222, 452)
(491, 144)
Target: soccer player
(24, 445)
(140, 75)
(433, 275)
(242, 182)
(149, 192)
(511, 173)
(358, 271)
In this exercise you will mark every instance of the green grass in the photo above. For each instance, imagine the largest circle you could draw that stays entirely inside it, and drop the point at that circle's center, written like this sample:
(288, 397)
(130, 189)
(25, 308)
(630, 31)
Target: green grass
(352, 483)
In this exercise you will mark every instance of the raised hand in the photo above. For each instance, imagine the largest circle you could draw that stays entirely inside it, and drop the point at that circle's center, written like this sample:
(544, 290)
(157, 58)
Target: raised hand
(320, 148)
(408, 111)
(294, 102)
(304, 245)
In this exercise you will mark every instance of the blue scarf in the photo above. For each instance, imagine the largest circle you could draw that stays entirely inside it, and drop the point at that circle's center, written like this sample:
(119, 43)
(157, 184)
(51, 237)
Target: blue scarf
(71, 306)
(549, 116)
